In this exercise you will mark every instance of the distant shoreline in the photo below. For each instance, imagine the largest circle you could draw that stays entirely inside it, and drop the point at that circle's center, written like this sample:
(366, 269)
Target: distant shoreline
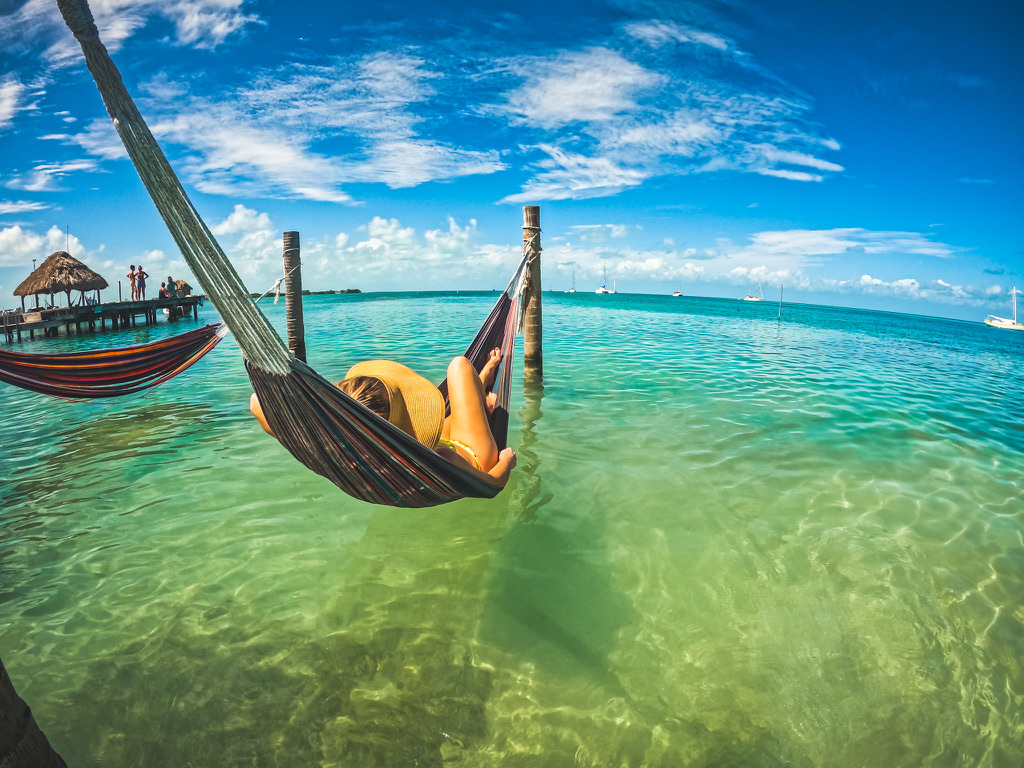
(315, 293)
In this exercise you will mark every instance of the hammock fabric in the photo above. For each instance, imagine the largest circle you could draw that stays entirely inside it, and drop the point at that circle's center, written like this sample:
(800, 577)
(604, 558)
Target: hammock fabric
(108, 372)
(330, 433)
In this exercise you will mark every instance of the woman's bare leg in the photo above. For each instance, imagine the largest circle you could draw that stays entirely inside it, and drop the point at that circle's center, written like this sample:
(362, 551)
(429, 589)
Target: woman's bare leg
(468, 420)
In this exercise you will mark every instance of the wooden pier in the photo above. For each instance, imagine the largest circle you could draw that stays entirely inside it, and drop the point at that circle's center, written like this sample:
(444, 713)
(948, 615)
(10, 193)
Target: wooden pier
(121, 314)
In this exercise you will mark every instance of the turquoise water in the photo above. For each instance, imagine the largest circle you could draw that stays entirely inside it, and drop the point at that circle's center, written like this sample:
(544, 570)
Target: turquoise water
(730, 540)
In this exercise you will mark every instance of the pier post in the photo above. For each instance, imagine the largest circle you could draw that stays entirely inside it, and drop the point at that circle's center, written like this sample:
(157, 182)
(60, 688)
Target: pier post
(533, 364)
(293, 296)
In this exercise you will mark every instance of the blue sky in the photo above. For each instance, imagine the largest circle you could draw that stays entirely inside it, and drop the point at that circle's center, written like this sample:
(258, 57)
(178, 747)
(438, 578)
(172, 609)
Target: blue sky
(862, 154)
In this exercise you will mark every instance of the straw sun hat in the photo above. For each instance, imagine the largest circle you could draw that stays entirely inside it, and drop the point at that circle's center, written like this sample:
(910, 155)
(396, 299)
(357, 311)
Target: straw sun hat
(417, 406)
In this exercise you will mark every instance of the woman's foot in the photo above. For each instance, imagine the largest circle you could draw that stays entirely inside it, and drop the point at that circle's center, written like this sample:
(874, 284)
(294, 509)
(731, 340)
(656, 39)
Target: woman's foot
(490, 369)
(491, 402)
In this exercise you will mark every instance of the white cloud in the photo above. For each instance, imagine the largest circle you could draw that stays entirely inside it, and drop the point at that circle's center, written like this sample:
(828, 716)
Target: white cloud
(20, 246)
(21, 206)
(807, 244)
(48, 176)
(576, 176)
(243, 220)
(659, 33)
(206, 23)
(197, 24)
(408, 163)
(385, 254)
(577, 87)
(257, 251)
(261, 139)
(99, 138)
(599, 233)
(12, 92)
(607, 122)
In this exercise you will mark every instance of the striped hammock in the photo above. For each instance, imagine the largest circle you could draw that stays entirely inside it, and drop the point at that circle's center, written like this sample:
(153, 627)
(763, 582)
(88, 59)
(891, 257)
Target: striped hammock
(325, 429)
(108, 372)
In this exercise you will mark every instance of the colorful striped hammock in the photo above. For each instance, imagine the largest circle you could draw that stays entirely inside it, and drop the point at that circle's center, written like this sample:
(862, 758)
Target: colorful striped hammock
(108, 372)
(326, 430)
(365, 455)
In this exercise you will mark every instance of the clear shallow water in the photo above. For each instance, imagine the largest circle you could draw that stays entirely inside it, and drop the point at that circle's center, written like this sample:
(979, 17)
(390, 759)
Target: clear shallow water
(730, 541)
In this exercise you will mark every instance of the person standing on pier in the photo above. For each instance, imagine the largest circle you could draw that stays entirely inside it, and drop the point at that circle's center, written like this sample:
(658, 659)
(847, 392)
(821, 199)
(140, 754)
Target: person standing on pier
(140, 281)
(131, 282)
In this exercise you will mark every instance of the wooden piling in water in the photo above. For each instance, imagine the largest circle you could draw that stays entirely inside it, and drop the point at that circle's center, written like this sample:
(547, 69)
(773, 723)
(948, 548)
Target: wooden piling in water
(533, 325)
(293, 296)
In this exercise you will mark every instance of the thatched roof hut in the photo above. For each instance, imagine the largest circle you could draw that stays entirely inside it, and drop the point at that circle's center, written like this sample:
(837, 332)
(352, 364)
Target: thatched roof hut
(61, 272)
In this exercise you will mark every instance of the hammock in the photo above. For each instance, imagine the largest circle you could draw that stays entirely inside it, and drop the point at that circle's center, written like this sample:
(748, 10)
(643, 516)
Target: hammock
(108, 372)
(322, 427)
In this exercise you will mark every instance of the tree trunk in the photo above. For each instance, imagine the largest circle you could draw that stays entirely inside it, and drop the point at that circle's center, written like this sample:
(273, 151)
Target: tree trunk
(22, 744)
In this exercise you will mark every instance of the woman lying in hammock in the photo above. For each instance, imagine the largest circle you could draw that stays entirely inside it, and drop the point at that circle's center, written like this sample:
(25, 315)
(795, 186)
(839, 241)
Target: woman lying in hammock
(416, 406)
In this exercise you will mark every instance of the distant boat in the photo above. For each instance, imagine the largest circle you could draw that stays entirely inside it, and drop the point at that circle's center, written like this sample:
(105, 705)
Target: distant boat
(1002, 322)
(755, 297)
(604, 285)
(677, 292)
(573, 288)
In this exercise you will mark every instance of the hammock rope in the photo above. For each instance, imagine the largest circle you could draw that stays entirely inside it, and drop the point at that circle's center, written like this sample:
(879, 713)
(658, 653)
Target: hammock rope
(110, 372)
(325, 429)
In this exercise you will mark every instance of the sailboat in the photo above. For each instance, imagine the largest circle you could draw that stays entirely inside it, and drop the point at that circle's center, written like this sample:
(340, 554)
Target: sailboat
(752, 297)
(677, 292)
(1002, 322)
(572, 289)
(604, 284)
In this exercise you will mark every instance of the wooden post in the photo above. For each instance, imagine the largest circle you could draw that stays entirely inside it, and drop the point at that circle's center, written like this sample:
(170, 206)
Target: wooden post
(533, 364)
(293, 296)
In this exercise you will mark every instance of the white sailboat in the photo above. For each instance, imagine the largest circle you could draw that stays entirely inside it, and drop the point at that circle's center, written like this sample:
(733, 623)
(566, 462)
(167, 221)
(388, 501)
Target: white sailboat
(604, 284)
(677, 292)
(572, 288)
(1002, 322)
(755, 297)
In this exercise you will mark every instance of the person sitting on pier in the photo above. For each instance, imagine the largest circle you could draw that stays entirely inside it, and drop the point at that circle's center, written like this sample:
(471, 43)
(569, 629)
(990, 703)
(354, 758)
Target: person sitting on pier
(131, 282)
(163, 291)
(140, 281)
(414, 405)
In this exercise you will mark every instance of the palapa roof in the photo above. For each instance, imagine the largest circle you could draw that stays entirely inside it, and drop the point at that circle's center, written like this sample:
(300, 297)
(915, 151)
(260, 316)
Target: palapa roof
(61, 272)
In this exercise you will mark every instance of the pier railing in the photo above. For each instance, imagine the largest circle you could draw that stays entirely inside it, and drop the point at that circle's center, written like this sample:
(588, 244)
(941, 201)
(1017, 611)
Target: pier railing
(120, 314)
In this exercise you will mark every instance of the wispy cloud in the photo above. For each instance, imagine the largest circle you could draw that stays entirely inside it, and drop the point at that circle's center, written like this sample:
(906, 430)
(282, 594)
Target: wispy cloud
(197, 24)
(809, 246)
(592, 86)
(263, 138)
(21, 206)
(609, 118)
(659, 33)
(47, 177)
(12, 92)
(652, 98)
(598, 233)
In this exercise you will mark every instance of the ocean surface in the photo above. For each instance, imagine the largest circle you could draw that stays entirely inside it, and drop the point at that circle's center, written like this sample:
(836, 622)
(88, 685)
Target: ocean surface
(731, 540)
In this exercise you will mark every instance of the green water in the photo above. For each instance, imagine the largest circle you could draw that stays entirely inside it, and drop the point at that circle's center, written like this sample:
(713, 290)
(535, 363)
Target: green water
(730, 541)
